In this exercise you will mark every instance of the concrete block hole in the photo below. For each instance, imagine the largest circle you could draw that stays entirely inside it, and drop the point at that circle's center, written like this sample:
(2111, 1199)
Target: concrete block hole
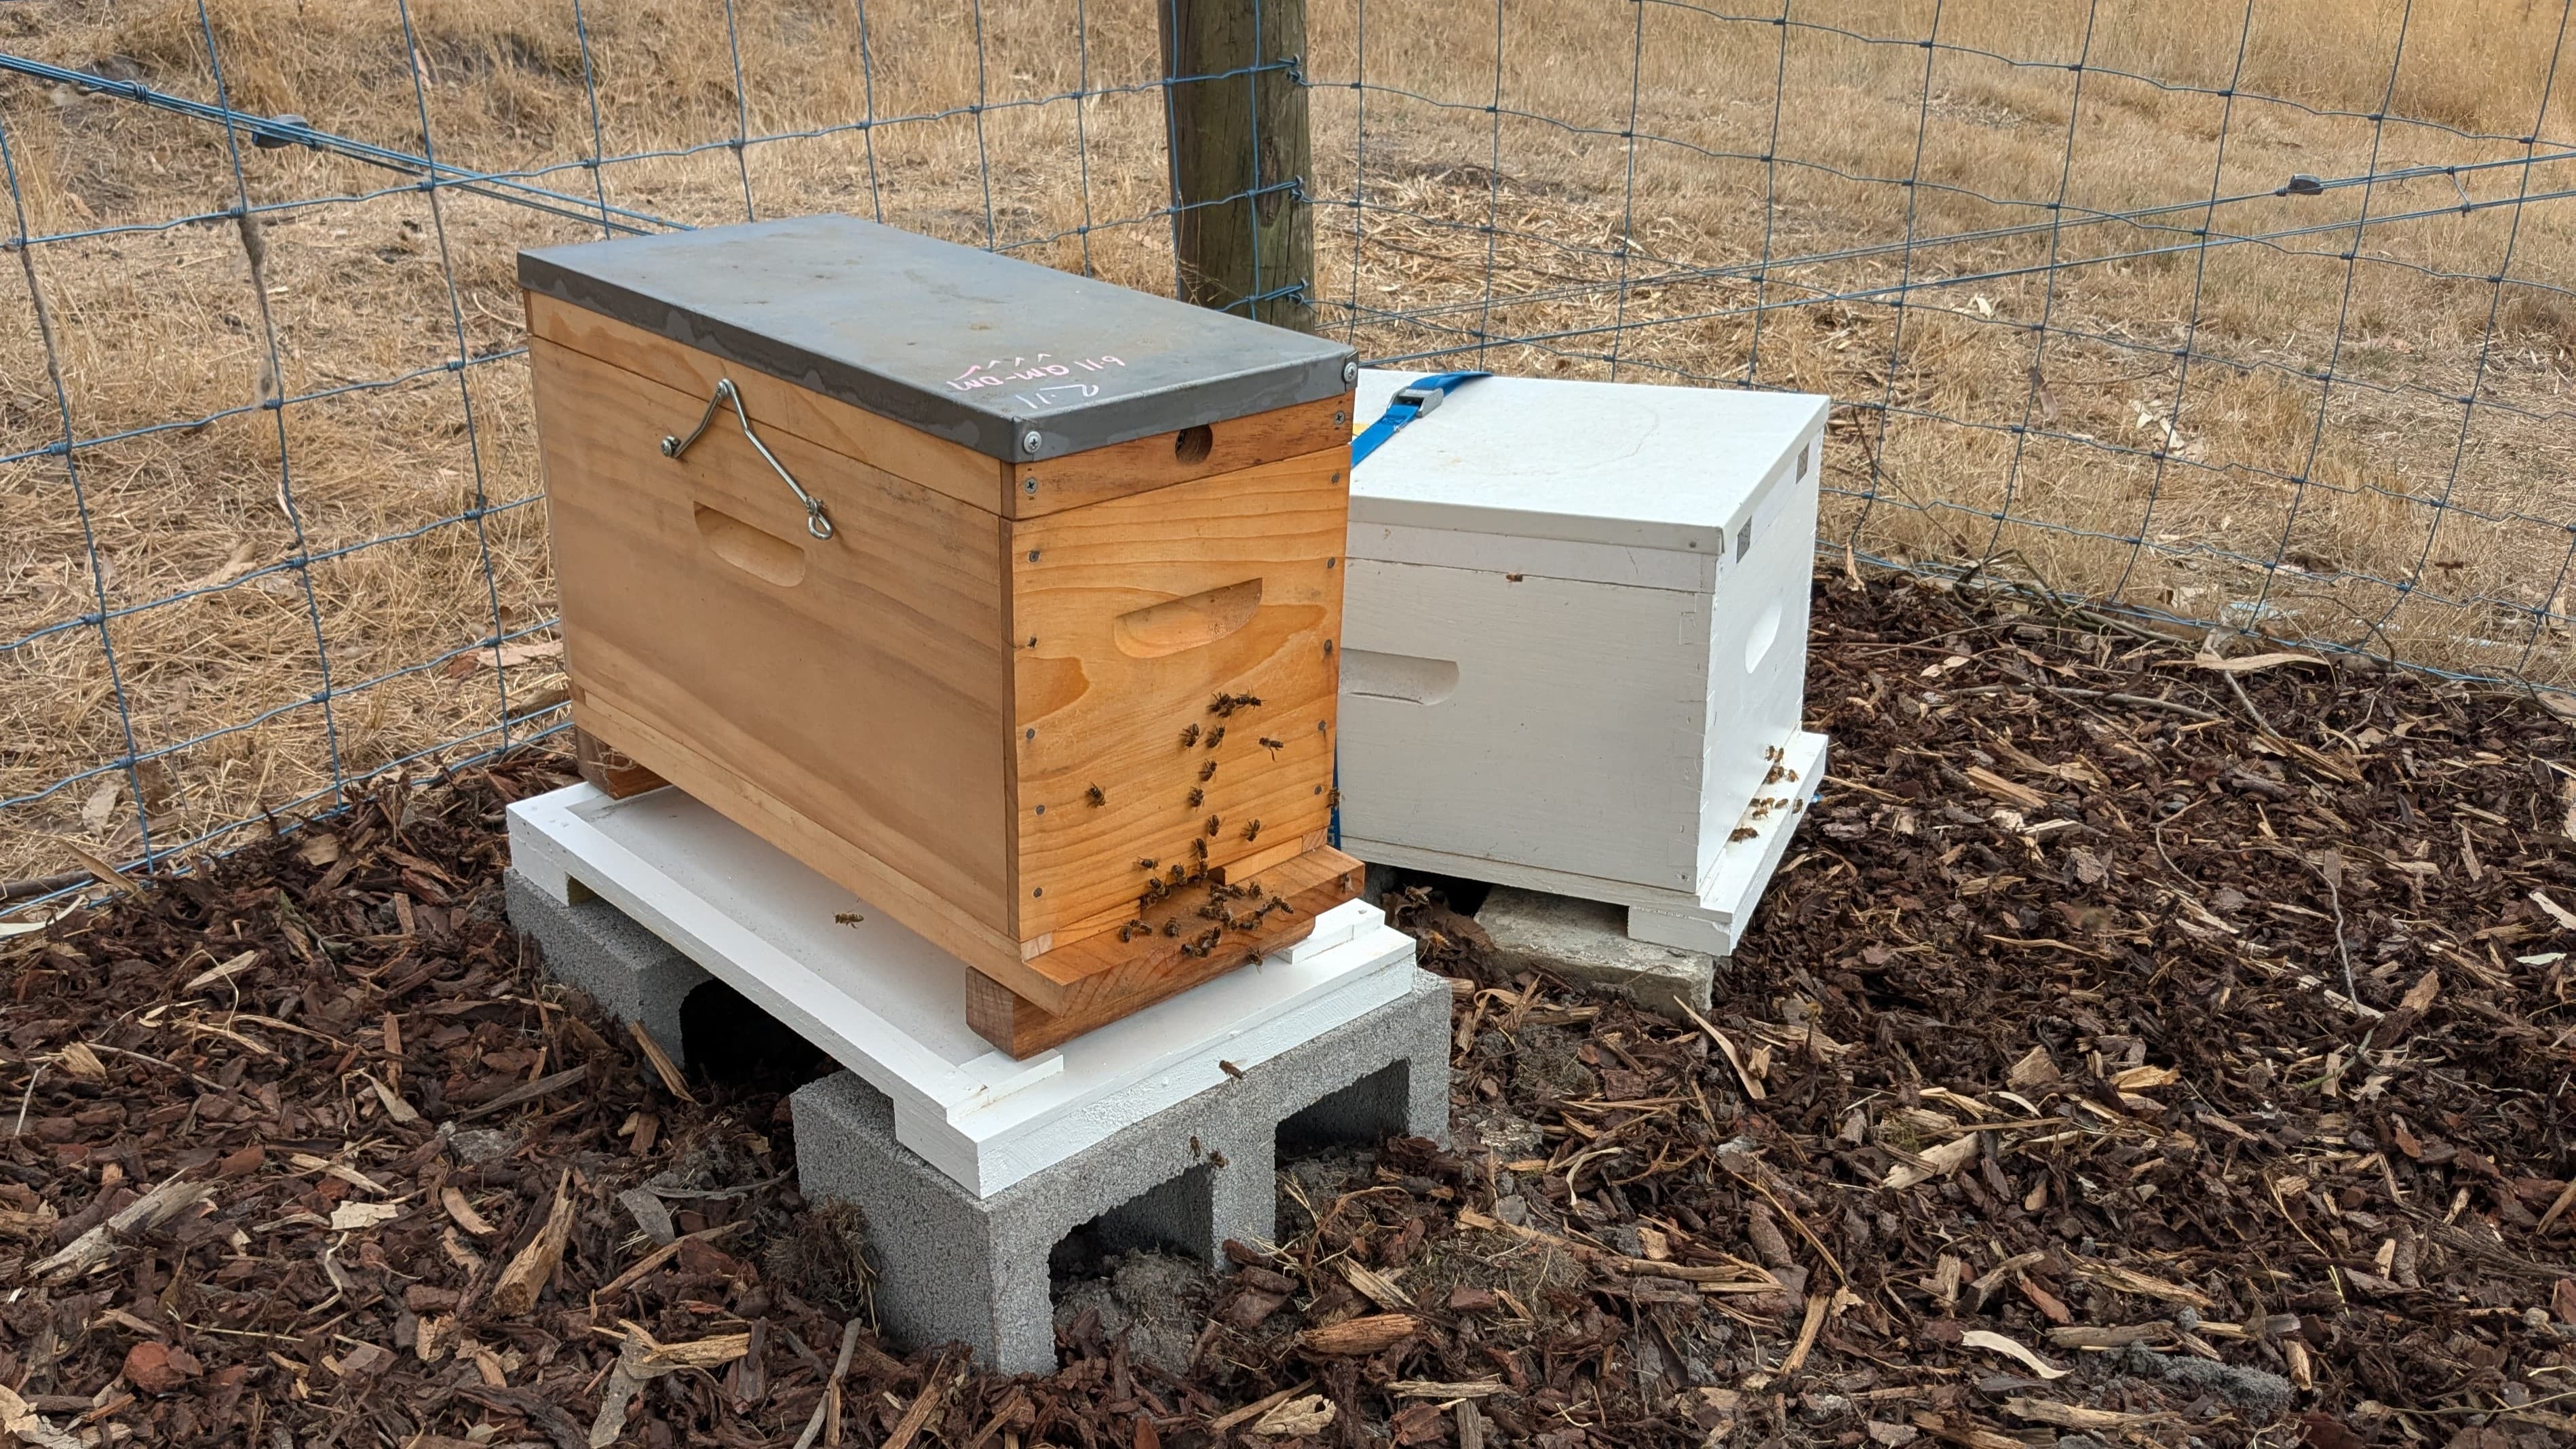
(1361, 1115)
(1172, 1218)
(732, 1042)
(1142, 1267)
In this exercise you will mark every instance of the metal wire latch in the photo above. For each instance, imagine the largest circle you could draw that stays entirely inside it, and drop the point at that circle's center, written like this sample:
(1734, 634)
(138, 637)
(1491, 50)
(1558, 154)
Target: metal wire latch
(817, 522)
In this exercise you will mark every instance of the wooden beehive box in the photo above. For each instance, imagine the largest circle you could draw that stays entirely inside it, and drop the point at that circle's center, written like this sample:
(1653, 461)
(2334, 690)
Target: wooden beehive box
(1063, 602)
(1576, 643)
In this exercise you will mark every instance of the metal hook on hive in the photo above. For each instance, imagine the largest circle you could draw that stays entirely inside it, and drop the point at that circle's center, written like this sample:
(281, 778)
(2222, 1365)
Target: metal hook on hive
(817, 522)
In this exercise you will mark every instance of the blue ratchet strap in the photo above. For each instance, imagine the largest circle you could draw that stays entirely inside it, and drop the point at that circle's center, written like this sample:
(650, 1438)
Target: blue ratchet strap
(1413, 400)
(1418, 397)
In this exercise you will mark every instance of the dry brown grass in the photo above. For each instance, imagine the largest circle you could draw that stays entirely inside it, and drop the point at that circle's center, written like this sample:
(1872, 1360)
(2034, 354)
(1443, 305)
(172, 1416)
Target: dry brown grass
(164, 326)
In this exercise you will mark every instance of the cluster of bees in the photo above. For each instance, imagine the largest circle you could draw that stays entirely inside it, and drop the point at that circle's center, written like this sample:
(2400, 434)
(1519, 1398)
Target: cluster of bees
(1163, 882)
(1780, 770)
(1218, 909)
(1762, 805)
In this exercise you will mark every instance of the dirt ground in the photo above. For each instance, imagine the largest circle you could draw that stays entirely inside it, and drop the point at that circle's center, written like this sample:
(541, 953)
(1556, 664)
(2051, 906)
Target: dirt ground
(2137, 1048)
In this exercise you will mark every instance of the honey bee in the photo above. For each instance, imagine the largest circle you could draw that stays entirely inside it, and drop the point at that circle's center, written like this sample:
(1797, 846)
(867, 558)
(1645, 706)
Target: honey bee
(1144, 862)
(1096, 796)
(1177, 878)
(1252, 831)
(1189, 735)
(1207, 772)
(1226, 704)
(1333, 797)
(1273, 746)
(1215, 736)
(1137, 927)
(1198, 847)
(1172, 927)
(1213, 823)
(1196, 795)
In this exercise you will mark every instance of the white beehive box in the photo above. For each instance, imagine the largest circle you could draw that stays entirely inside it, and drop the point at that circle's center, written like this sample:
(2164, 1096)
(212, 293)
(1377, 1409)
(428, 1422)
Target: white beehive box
(1575, 643)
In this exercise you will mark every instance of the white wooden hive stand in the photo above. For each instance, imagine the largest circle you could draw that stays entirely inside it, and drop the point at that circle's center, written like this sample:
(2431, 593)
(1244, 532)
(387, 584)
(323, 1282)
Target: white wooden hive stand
(887, 1004)
(1574, 644)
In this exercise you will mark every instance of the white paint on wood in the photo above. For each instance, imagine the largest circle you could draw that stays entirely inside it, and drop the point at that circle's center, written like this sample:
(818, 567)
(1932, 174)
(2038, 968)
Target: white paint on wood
(890, 1006)
(1754, 710)
(1710, 919)
(1743, 868)
(1573, 727)
(1627, 464)
(1553, 558)
(1618, 576)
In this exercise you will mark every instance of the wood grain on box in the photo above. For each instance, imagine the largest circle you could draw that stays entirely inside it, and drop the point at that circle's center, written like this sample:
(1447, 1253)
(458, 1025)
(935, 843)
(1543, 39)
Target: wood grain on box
(865, 702)
(1102, 707)
(1163, 459)
(1075, 480)
(775, 404)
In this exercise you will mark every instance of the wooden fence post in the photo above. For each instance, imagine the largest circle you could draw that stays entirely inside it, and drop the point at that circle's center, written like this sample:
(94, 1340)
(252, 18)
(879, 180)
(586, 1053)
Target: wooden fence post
(1241, 157)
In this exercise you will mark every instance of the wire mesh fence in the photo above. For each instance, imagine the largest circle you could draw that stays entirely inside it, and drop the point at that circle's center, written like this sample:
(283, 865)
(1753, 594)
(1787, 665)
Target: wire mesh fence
(2249, 313)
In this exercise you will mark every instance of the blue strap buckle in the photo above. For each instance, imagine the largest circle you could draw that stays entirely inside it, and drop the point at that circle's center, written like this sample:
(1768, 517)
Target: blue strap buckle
(1416, 398)
(1423, 399)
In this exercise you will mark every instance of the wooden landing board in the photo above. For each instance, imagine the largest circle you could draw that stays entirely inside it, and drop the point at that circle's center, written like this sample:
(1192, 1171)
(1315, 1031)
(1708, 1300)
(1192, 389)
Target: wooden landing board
(1114, 974)
(609, 769)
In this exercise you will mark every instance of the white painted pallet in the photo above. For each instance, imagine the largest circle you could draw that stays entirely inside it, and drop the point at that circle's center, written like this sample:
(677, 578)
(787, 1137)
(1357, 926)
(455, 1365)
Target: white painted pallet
(1574, 643)
(892, 1007)
(1710, 920)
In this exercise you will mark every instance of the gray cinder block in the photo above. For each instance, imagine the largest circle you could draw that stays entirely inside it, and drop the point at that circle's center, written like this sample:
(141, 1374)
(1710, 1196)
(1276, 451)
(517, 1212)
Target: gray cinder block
(1588, 941)
(957, 1268)
(599, 948)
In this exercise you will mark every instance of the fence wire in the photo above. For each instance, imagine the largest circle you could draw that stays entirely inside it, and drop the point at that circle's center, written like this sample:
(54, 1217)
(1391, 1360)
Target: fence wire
(2248, 314)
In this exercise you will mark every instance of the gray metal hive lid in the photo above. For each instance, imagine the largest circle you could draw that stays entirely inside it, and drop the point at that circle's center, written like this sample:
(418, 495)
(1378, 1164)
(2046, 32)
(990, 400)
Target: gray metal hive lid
(961, 343)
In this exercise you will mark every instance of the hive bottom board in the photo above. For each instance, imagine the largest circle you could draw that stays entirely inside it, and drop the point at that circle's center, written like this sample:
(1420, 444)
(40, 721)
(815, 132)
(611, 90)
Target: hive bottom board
(891, 1007)
(1709, 922)
(1096, 978)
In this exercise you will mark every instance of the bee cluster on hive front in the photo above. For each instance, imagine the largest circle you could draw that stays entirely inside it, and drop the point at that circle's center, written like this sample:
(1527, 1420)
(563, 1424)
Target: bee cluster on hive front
(1199, 891)
(1779, 770)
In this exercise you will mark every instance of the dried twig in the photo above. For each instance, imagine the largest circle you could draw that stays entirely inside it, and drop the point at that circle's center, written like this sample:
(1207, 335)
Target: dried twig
(831, 1400)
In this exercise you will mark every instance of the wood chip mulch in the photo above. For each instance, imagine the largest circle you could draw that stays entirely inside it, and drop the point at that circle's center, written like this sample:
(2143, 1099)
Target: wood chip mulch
(2148, 1041)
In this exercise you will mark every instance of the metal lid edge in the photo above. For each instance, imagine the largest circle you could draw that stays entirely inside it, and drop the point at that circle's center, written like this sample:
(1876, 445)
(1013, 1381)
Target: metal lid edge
(1118, 420)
